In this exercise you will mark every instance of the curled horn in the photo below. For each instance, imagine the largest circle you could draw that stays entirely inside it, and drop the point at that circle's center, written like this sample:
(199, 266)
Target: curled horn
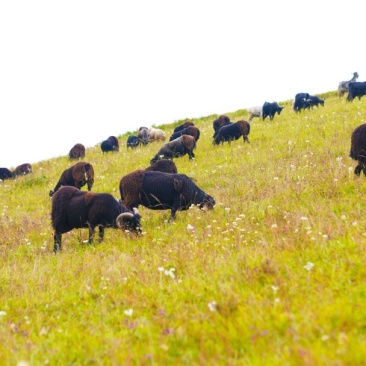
(125, 216)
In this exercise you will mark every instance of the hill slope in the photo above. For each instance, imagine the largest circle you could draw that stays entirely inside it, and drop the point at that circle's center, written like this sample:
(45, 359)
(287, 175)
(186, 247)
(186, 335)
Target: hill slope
(273, 275)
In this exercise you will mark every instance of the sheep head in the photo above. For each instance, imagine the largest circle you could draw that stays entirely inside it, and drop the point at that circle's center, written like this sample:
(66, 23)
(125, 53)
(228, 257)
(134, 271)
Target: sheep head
(129, 221)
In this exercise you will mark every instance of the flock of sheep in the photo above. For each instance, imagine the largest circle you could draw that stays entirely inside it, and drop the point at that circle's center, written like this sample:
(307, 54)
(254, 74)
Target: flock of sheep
(159, 186)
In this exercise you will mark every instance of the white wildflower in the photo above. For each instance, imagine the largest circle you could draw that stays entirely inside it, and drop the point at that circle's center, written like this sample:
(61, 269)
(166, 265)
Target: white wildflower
(309, 266)
(212, 305)
(128, 312)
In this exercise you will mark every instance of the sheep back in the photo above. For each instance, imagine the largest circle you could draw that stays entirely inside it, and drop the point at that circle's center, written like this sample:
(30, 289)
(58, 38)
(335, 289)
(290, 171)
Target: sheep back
(23, 169)
(77, 152)
(181, 146)
(190, 130)
(183, 126)
(162, 191)
(233, 131)
(163, 165)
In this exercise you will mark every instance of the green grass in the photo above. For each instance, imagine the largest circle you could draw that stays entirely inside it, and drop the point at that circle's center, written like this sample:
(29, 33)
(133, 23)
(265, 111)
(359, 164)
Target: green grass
(274, 275)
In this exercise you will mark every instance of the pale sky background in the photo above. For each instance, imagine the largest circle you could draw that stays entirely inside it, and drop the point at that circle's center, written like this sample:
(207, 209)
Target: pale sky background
(80, 71)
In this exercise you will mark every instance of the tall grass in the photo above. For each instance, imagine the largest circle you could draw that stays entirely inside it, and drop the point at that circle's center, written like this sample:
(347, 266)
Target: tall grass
(274, 275)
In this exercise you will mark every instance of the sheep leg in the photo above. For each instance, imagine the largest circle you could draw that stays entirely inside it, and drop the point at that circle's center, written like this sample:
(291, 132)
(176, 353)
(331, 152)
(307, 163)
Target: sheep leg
(358, 170)
(91, 234)
(101, 233)
(57, 242)
(191, 155)
(57, 187)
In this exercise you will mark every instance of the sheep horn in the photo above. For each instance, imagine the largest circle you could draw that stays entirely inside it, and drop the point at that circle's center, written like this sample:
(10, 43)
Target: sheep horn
(122, 217)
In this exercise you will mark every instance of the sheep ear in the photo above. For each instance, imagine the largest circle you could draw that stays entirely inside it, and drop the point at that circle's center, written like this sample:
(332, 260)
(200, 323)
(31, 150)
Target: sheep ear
(121, 218)
(178, 185)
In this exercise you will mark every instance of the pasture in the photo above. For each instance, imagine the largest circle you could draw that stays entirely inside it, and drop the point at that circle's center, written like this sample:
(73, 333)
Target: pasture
(273, 275)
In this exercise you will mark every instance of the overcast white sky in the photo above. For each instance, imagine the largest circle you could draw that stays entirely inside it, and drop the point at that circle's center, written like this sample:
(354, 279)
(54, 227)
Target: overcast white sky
(80, 71)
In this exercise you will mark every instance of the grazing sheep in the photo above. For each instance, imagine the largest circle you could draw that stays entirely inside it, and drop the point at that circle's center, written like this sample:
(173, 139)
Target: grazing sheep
(219, 122)
(306, 101)
(190, 130)
(162, 191)
(77, 176)
(358, 149)
(72, 208)
(156, 134)
(314, 100)
(114, 141)
(77, 152)
(132, 180)
(23, 169)
(233, 131)
(343, 86)
(163, 165)
(183, 126)
(254, 112)
(143, 135)
(107, 146)
(356, 89)
(270, 110)
(5, 173)
(132, 141)
(176, 148)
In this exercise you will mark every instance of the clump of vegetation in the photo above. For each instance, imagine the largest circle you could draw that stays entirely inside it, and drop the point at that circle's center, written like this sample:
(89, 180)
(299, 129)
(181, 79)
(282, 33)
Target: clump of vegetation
(273, 275)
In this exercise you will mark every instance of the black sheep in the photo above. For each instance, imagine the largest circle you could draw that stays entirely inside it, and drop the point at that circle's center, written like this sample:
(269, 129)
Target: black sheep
(358, 148)
(77, 176)
(190, 130)
(107, 146)
(301, 101)
(5, 173)
(356, 89)
(162, 191)
(183, 126)
(173, 149)
(270, 109)
(233, 131)
(132, 141)
(72, 208)
(114, 140)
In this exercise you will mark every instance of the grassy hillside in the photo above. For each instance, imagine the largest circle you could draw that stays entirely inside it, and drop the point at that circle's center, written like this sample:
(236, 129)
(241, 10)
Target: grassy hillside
(274, 275)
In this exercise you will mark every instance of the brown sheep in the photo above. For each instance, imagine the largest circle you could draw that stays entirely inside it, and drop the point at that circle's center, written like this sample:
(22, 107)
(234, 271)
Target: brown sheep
(219, 122)
(72, 208)
(176, 148)
(77, 176)
(233, 131)
(23, 169)
(163, 165)
(77, 152)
